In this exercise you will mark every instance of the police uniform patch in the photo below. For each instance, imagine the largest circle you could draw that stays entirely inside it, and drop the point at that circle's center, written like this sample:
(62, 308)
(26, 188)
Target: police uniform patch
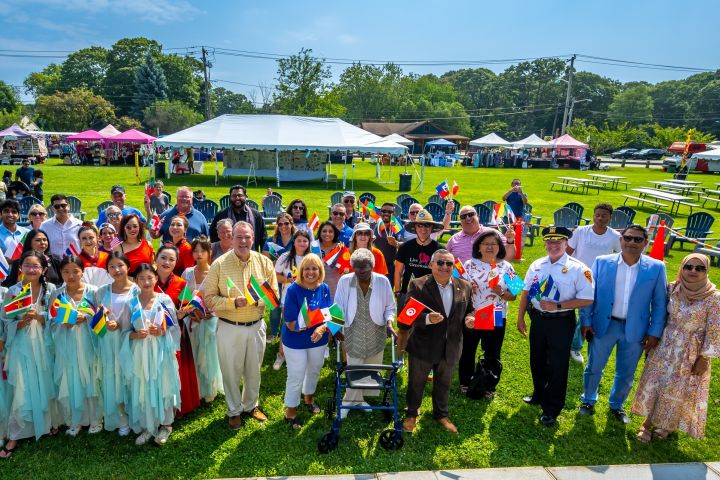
(588, 275)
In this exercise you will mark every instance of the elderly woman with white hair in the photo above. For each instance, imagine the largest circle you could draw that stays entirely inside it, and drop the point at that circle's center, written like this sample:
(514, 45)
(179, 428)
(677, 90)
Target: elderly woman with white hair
(368, 304)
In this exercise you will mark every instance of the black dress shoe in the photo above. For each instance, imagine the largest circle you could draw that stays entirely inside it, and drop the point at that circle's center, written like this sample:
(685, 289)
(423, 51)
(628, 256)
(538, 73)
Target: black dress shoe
(586, 409)
(530, 400)
(620, 415)
(547, 420)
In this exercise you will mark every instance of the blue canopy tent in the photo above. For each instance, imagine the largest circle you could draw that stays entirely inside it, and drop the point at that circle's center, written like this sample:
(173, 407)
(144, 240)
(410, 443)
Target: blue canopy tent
(433, 144)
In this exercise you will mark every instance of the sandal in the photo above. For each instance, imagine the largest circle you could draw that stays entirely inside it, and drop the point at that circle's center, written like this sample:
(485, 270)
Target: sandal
(661, 433)
(644, 435)
(53, 431)
(7, 452)
(313, 408)
(294, 423)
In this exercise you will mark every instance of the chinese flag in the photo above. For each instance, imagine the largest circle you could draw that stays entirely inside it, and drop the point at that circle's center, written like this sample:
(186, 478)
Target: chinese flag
(412, 309)
(658, 247)
(485, 317)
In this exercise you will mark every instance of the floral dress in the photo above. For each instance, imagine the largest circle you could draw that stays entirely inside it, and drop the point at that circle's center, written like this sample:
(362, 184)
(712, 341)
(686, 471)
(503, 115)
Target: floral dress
(668, 394)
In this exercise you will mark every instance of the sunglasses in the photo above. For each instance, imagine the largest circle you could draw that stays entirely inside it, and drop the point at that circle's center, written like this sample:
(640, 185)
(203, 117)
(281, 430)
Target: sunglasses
(297, 207)
(113, 215)
(58, 206)
(348, 201)
(697, 268)
(631, 238)
(364, 233)
(283, 224)
(37, 214)
(338, 214)
(447, 263)
(423, 225)
(467, 215)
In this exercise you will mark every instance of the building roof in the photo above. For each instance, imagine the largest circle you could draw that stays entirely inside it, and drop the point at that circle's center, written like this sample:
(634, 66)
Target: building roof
(410, 130)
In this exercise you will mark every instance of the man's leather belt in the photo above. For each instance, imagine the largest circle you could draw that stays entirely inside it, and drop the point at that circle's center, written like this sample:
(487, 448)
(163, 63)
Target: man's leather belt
(619, 320)
(241, 324)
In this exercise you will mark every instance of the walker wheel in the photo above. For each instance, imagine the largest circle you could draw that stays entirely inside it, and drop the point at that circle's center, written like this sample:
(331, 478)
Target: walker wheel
(328, 442)
(387, 414)
(391, 440)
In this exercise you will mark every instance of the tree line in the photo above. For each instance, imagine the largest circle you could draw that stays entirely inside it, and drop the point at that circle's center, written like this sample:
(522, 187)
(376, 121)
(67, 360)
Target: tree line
(135, 84)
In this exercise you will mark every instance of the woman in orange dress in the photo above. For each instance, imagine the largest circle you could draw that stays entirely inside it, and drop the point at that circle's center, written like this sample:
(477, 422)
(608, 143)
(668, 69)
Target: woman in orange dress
(362, 237)
(134, 246)
(178, 229)
(172, 285)
(90, 254)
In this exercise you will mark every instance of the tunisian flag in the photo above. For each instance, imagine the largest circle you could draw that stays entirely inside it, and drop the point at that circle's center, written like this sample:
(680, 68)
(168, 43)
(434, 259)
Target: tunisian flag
(412, 309)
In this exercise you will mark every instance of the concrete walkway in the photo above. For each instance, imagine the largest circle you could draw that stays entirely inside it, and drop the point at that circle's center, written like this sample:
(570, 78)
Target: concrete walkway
(659, 471)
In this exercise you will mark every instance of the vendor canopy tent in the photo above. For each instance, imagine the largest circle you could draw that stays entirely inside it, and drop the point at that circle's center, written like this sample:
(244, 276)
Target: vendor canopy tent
(14, 131)
(566, 141)
(533, 141)
(441, 142)
(708, 155)
(87, 136)
(132, 136)
(490, 140)
(399, 139)
(109, 131)
(280, 132)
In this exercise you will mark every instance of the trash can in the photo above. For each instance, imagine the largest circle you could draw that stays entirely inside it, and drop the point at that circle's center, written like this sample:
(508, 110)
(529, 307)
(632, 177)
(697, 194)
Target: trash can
(159, 170)
(405, 182)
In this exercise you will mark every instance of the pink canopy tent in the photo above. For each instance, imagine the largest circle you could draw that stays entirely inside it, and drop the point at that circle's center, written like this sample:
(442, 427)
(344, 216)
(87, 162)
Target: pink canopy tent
(566, 141)
(132, 136)
(87, 136)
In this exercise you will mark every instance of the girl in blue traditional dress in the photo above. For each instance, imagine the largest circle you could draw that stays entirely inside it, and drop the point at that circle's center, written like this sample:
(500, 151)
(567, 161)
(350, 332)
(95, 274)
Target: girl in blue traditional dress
(29, 358)
(5, 393)
(77, 366)
(114, 297)
(148, 360)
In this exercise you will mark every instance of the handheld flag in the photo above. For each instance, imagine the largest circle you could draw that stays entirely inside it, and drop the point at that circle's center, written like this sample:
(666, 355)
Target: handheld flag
(458, 269)
(329, 257)
(334, 318)
(485, 317)
(493, 277)
(136, 312)
(72, 250)
(495, 220)
(455, 188)
(309, 317)
(342, 261)
(14, 251)
(443, 190)
(230, 284)
(20, 303)
(265, 292)
(185, 295)
(251, 296)
(509, 214)
(315, 247)
(61, 310)
(314, 223)
(197, 302)
(167, 316)
(395, 226)
(4, 268)
(518, 238)
(273, 249)
(150, 189)
(86, 306)
(372, 210)
(499, 315)
(412, 309)
(514, 283)
(155, 222)
(98, 323)
(536, 288)
(657, 251)
(551, 291)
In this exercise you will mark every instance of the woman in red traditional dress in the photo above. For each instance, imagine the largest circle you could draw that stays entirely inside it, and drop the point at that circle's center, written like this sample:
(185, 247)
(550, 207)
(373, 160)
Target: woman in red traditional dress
(134, 246)
(178, 229)
(90, 254)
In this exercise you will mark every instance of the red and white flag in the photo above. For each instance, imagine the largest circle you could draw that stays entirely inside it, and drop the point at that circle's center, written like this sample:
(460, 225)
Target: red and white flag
(314, 223)
(412, 309)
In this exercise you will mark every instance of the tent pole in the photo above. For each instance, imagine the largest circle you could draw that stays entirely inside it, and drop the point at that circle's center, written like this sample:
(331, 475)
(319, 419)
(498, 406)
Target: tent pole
(217, 168)
(345, 170)
(277, 167)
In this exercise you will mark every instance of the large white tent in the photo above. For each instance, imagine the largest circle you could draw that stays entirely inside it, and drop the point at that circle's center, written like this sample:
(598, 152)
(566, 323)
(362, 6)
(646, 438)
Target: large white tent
(490, 140)
(399, 139)
(708, 155)
(533, 141)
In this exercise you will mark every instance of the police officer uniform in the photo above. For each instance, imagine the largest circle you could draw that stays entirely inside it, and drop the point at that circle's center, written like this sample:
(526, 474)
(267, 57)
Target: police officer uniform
(551, 332)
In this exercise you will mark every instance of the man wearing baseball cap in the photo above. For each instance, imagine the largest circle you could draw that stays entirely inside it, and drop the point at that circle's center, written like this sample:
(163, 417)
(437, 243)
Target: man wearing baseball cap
(117, 195)
(555, 285)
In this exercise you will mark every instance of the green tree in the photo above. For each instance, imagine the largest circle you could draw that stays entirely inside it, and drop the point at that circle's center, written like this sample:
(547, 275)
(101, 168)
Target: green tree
(303, 86)
(75, 110)
(126, 123)
(599, 90)
(85, 68)
(225, 101)
(633, 105)
(184, 79)
(369, 92)
(126, 56)
(9, 101)
(169, 116)
(44, 82)
(150, 86)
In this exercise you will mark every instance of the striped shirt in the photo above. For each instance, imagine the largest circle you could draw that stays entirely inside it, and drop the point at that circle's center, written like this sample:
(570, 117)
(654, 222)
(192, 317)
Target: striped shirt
(230, 266)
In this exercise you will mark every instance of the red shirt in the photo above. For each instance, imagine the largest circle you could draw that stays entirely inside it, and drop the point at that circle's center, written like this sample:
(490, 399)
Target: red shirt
(99, 261)
(185, 257)
(172, 288)
(142, 254)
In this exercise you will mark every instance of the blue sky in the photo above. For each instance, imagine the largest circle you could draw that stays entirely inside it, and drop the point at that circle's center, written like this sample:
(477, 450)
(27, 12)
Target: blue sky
(659, 31)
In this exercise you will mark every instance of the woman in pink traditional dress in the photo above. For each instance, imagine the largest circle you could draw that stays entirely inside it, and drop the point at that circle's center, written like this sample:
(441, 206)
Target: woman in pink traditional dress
(673, 390)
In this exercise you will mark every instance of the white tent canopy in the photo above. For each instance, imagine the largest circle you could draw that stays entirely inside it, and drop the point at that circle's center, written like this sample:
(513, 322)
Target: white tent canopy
(490, 140)
(109, 130)
(399, 139)
(280, 132)
(708, 155)
(533, 141)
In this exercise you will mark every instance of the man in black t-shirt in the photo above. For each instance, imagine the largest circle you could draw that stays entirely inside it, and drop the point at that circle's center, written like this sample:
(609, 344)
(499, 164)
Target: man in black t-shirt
(413, 256)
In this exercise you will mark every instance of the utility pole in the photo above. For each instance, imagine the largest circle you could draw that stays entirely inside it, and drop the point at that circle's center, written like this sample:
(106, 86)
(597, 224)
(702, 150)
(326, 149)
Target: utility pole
(206, 66)
(569, 94)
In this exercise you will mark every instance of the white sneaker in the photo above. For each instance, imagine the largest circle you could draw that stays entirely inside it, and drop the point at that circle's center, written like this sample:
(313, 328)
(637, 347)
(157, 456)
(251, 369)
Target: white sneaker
(163, 435)
(124, 430)
(95, 428)
(577, 356)
(143, 438)
(73, 431)
(279, 360)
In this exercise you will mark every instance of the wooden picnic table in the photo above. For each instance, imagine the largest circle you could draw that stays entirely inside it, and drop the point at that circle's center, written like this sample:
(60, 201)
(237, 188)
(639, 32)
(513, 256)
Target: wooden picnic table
(584, 183)
(682, 182)
(710, 196)
(675, 187)
(674, 199)
(614, 180)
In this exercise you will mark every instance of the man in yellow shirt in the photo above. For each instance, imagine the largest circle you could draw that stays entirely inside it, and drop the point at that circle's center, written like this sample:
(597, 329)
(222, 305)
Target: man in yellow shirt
(241, 330)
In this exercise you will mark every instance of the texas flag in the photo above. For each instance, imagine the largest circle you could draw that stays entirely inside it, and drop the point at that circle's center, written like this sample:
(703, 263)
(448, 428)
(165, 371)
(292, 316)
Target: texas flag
(443, 189)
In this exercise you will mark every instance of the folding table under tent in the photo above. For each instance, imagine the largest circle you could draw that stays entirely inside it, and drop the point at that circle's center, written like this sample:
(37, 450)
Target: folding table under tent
(286, 147)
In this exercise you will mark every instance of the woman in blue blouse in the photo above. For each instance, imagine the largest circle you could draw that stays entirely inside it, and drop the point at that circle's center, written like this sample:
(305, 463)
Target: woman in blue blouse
(304, 346)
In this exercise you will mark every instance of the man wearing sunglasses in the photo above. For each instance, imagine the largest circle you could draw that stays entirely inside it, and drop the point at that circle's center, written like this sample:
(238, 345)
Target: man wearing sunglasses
(337, 217)
(117, 195)
(385, 239)
(62, 229)
(415, 208)
(351, 215)
(10, 232)
(628, 315)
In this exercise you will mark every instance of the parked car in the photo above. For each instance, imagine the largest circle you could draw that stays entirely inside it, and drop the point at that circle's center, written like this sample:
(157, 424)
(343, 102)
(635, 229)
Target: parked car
(649, 154)
(624, 153)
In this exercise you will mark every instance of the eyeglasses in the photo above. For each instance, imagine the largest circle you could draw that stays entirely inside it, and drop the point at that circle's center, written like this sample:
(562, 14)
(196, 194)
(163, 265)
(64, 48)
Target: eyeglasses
(413, 213)
(389, 212)
(492, 244)
(58, 206)
(297, 207)
(363, 233)
(463, 216)
(237, 195)
(631, 238)
(37, 214)
(349, 200)
(423, 225)
(113, 215)
(447, 263)
(283, 224)
(31, 267)
(698, 268)
(338, 214)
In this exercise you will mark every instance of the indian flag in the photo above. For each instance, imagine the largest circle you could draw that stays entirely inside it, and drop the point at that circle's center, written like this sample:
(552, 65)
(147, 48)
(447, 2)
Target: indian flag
(20, 303)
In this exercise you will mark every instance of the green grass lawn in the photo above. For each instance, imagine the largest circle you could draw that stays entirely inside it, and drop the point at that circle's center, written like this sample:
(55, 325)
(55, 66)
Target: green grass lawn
(501, 433)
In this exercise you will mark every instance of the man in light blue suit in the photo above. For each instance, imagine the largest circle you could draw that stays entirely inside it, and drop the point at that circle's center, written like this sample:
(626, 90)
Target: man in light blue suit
(628, 314)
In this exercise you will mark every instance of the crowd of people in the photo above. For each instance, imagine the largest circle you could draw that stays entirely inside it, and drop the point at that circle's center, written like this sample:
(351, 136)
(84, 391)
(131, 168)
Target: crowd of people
(155, 333)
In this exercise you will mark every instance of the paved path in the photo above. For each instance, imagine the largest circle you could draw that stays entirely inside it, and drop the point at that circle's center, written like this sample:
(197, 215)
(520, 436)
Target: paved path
(659, 471)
